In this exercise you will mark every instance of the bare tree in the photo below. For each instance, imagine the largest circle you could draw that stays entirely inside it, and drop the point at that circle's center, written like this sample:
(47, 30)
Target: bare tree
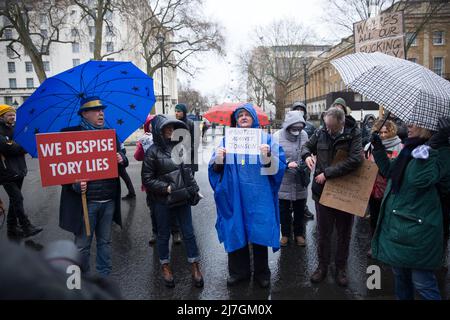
(100, 11)
(26, 17)
(342, 14)
(192, 98)
(182, 27)
(276, 62)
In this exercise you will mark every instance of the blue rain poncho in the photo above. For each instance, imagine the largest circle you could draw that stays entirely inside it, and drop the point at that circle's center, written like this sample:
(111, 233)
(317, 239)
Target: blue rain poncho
(246, 195)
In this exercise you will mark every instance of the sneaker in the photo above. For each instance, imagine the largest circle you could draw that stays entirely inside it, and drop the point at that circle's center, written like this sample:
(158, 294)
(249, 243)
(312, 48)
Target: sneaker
(308, 214)
(300, 241)
(30, 230)
(284, 241)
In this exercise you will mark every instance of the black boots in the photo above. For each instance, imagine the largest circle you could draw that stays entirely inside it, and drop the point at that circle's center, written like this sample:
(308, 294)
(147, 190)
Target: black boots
(25, 231)
(14, 231)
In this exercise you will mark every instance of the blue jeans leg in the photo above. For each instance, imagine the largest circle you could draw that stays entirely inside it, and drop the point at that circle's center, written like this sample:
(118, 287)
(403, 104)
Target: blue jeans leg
(426, 284)
(162, 215)
(82, 241)
(103, 237)
(184, 216)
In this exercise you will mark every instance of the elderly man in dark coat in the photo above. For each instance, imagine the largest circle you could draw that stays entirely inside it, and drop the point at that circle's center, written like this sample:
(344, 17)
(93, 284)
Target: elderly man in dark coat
(103, 198)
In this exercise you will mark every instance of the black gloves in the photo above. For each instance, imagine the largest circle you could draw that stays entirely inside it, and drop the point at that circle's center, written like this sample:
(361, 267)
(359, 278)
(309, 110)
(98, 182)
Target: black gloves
(376, 142)
(441, 137)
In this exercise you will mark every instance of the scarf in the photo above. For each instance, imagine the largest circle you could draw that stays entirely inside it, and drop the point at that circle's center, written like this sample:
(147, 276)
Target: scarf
(89, 126)
(403, 159)
(390, 143)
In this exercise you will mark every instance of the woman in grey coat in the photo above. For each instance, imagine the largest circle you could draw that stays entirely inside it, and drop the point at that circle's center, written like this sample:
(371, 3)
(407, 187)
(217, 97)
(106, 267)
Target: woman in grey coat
(293, 191)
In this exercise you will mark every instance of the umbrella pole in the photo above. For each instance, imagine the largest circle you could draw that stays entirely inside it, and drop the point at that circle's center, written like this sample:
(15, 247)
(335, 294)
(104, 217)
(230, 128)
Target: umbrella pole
(85, 214)
(388, 114)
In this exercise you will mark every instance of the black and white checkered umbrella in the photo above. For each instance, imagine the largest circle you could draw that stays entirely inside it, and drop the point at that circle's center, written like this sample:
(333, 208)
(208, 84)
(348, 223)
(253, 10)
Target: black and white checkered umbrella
(408, 90)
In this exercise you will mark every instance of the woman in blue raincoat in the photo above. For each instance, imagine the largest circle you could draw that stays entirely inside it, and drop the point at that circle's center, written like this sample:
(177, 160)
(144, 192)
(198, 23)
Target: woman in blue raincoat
(246, 194)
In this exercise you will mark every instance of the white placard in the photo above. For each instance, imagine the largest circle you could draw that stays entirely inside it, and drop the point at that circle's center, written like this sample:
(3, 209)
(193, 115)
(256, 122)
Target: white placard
(243, 140)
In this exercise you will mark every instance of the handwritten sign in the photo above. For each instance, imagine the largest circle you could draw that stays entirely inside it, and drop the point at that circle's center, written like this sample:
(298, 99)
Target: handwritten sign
(382, 33)
(243, 140)
(69, 157)
(351, 193)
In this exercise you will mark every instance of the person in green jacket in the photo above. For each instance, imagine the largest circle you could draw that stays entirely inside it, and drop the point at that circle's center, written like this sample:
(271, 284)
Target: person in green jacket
(409, 233)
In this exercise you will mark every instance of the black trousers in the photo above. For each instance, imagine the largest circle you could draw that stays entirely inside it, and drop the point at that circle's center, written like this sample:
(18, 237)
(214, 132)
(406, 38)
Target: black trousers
(239, 262)
(16, 211)
(286, 209)
(126, 178)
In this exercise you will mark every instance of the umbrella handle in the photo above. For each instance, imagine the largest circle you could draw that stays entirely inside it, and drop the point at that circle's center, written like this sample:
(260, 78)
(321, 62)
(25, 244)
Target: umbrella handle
(388, 114)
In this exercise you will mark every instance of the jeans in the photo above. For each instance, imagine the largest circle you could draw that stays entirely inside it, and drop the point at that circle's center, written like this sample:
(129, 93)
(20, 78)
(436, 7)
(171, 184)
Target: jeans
(326, 219)
(424, 281)
(298, 206)
(16, 212)
(100, 218)
(163, 220)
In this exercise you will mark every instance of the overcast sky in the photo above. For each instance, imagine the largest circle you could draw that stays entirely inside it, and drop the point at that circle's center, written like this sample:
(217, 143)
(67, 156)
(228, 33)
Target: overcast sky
(239, 18)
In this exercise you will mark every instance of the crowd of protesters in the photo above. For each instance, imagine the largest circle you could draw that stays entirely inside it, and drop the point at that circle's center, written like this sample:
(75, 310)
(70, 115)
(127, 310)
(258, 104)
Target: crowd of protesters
(261, 199)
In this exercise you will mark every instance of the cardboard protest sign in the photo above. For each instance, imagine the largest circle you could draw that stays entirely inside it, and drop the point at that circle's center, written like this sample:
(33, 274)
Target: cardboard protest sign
(350, 193)
(69, 157)
(243, 140)
(382, 33)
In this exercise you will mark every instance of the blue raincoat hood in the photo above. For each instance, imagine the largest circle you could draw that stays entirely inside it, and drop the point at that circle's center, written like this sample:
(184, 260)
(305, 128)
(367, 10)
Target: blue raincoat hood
(249, 108)
(246, 195)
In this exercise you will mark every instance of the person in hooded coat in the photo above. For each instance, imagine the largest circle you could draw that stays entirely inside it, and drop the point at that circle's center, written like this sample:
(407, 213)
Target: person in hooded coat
(293, 191)
(171, 187)
(246, 195)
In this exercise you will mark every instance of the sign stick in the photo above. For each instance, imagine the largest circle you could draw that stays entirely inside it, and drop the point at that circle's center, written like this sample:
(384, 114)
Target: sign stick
(85, 214)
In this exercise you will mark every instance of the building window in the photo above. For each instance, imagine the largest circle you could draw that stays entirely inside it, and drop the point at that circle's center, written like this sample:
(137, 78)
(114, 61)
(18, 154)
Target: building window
(109, 47)
(10, 52)
(438, 65)
(30, 83)
(91, 31)
(412, 60)
(11, 67)
(28, 66)
(75, 62)
(91, 47)
(8, 34)
(109, 30)
(109, 59)
(74, 32)
(46, 65)
(44, 33)
(12, 83)
(75, 47)
(438, 38)
(411, 38)
(8, 100)
(43, 18)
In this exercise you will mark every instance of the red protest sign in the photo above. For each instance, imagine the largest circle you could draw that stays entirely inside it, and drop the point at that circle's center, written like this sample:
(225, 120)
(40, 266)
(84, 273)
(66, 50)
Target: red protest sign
(69, 157)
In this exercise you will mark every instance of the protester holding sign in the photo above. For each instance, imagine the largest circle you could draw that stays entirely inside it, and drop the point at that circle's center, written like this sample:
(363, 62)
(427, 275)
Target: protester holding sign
(103, 198)
(409, 234)
(173, 190)
(14, 170)
(246, 193)
(293, 191)
(339, 134)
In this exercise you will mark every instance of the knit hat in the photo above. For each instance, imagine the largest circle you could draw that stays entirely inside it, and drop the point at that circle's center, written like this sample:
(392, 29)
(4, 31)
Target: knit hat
(90, 103)
(341, 102)
(181, 107)
(4, 108)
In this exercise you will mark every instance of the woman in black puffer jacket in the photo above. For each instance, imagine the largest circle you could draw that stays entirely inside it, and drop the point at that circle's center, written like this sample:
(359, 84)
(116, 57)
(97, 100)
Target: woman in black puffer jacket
(172, 189)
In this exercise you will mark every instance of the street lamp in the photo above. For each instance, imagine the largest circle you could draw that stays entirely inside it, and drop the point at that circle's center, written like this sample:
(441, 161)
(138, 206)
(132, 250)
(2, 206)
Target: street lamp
(160, 38)
(305, 76)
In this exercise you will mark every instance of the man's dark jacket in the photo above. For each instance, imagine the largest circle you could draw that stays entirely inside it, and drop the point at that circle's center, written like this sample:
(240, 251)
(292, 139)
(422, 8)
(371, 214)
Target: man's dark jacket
(325, 148)
(71, 210)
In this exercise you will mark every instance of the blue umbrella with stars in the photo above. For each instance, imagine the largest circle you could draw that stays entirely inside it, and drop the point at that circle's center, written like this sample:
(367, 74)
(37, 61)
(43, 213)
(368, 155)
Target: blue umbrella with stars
(124, 88)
